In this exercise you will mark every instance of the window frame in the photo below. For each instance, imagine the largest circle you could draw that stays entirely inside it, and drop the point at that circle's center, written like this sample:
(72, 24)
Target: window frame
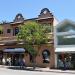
(8, 30)
(46, 59)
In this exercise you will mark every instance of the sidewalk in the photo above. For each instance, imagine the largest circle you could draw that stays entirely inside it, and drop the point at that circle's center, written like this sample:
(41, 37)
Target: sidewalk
(39, 69)
(55, 70)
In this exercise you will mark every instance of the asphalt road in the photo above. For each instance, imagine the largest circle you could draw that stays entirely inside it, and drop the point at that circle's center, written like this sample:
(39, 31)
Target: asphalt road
(4, 71)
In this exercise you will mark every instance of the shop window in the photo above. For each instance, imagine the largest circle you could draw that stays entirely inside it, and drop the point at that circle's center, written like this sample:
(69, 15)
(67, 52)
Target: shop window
(8, 30)
(65, 60)
(46, 56)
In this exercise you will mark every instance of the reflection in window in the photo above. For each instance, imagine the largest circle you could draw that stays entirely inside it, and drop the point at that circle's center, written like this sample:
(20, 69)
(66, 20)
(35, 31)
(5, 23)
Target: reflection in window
(66, 40)
(46, 56)
(67, 28)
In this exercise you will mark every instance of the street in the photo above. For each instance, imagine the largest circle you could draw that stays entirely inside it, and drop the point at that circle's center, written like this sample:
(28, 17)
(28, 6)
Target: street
(4, 71)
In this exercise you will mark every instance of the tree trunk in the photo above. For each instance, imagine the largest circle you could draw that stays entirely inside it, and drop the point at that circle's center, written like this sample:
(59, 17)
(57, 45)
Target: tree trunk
(34, 63)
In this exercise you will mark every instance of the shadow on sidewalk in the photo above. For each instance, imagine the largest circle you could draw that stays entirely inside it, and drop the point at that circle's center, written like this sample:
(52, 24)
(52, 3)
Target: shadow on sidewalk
(38, 69)
(23, 68)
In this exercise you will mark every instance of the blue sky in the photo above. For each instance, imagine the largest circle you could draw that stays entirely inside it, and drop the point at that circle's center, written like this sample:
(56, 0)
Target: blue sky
(61, 9)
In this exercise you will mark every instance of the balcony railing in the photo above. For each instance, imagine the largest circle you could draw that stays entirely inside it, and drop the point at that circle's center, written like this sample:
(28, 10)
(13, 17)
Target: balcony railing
(3, 38)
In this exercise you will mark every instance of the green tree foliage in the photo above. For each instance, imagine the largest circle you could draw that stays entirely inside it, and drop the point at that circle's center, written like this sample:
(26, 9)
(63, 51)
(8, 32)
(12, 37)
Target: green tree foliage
(1, 29)
(32, 33)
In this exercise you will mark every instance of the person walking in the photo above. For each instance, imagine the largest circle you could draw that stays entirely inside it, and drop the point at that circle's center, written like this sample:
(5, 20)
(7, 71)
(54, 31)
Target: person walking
(3, 61)
(24, 63)
(9, 61)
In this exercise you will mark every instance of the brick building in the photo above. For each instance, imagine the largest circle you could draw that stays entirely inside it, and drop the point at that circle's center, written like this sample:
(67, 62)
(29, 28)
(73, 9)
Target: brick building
(11, 48)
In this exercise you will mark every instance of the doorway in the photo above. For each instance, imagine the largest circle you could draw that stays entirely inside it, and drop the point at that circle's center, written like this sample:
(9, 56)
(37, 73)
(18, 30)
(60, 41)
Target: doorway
(14, 58)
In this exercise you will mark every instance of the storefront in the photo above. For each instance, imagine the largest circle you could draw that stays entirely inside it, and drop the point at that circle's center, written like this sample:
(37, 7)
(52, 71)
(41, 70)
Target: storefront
(65, 57)
(64, 38)
(11, 56)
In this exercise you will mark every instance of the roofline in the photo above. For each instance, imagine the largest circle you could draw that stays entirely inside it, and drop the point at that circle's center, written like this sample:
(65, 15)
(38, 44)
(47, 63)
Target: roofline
(26, 20)
(65, 20)
(19, 21)
(44, 18)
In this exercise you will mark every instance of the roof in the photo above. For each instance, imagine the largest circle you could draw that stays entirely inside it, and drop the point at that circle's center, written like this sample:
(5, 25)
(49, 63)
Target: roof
(65, 22)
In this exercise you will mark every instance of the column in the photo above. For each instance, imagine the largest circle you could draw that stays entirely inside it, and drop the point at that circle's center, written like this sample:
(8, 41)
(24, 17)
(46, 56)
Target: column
(56, 58)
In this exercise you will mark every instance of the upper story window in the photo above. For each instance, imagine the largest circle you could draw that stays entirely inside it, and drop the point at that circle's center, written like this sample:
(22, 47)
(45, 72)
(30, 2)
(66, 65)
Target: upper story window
(48, 27)
(1, 32)
(66, 28)
(1, 29)
(16, 30)
(8, 30)
(66, 40)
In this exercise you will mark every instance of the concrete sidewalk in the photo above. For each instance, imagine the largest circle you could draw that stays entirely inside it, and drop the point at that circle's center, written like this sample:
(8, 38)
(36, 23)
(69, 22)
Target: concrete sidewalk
(55, 70)
(39, 69)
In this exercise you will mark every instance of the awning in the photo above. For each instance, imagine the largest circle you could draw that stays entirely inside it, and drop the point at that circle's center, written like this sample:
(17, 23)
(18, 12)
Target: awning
(65, 49)
(14, 50)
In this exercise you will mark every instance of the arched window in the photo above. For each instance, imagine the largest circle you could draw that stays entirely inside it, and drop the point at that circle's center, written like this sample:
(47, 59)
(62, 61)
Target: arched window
(46, 56)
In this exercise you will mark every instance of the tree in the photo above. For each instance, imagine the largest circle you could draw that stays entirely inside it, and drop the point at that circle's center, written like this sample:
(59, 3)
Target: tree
(32, 33)
(1, 29)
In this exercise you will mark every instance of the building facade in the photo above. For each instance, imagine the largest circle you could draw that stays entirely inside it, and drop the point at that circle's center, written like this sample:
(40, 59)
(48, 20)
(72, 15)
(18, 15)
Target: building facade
(11, 48)
(65, 44)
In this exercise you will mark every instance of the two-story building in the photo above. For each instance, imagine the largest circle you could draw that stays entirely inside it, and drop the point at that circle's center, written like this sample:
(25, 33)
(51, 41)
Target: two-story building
(11, 48)
(65, 44)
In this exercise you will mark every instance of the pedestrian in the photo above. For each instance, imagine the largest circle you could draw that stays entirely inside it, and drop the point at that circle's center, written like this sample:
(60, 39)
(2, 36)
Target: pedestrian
(24, 63)
(9, 61)
(3, 61)
(65, 65)
(21, 63)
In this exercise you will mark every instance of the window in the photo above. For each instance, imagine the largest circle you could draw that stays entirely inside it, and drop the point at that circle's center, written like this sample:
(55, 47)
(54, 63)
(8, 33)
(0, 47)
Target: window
(16, 30)
(48, 27)
(1, 32)
(8, 30)
(46, 56)
(66, 40)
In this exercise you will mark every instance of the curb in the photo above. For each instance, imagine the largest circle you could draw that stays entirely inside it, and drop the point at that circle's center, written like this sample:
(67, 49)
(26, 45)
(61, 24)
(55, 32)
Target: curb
(70, 72)
(45, 70)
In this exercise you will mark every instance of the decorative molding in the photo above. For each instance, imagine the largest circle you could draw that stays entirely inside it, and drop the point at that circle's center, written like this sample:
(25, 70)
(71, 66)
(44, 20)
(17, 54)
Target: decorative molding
(18, 18)
(45, 13)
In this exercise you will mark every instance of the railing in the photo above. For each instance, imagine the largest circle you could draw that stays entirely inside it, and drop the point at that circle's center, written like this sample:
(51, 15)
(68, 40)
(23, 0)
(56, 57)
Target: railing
(7, 38)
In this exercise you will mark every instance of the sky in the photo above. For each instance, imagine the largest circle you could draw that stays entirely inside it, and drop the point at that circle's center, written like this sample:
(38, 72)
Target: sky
(61, 9)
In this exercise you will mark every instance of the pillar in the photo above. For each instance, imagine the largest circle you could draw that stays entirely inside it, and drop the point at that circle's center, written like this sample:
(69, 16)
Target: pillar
(56, 57)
